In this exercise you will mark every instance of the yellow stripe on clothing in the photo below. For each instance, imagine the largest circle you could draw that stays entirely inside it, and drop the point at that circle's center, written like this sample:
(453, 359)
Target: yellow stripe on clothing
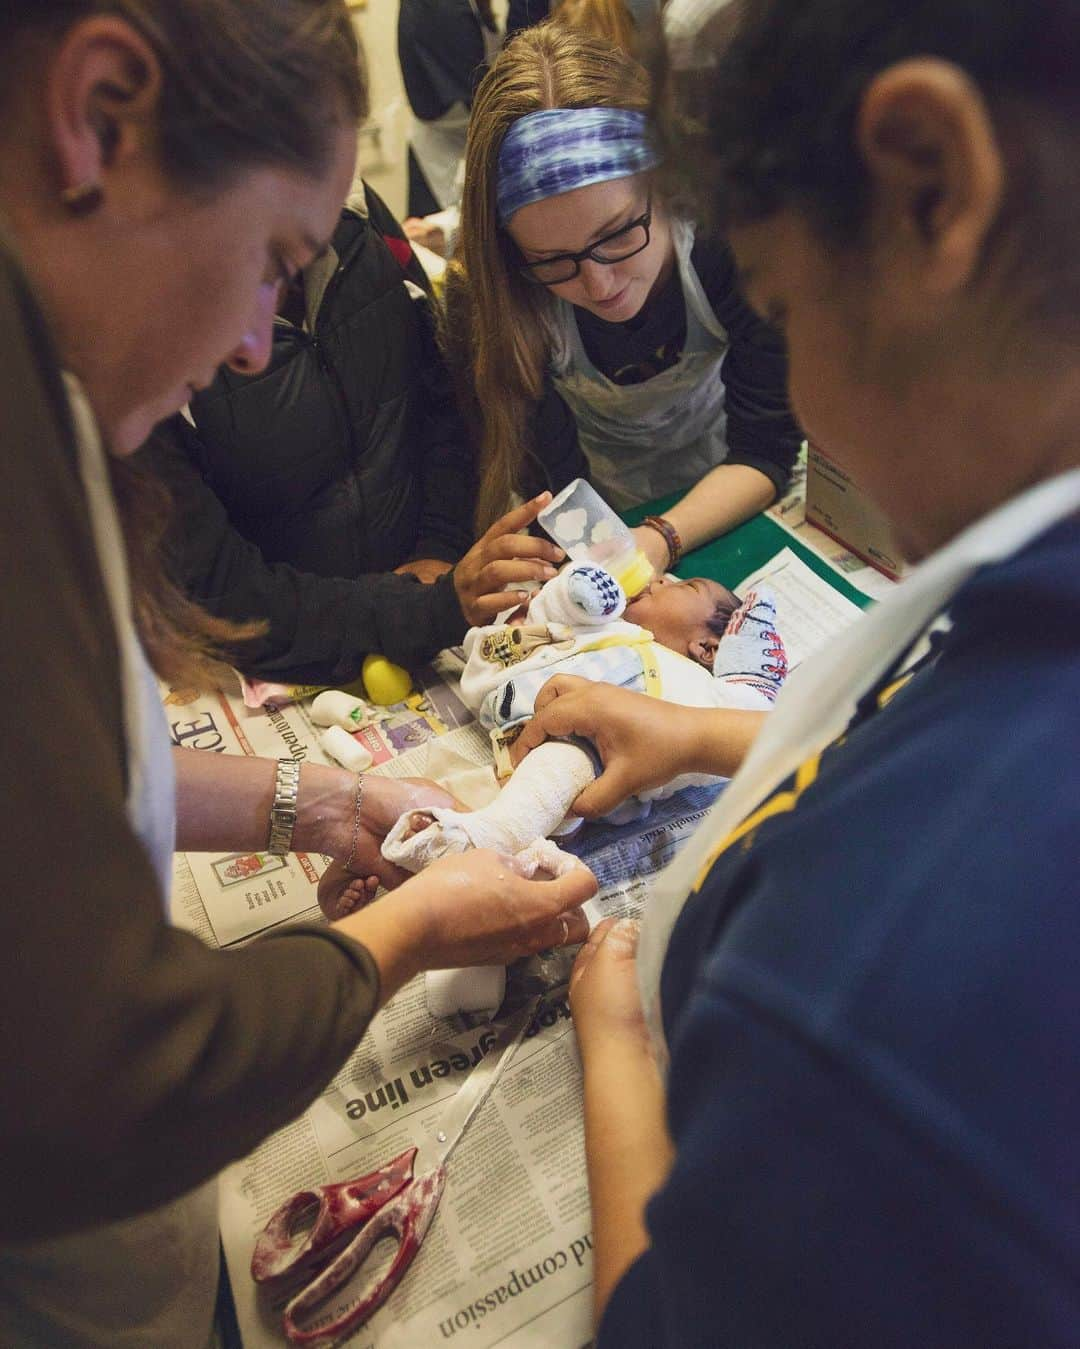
(776, 804)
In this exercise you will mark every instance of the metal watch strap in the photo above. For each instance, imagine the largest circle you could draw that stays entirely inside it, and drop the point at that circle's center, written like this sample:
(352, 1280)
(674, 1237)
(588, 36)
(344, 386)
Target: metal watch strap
(283, 811)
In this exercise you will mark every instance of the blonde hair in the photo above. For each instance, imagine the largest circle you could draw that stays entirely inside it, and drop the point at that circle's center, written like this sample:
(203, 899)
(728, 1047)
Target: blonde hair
(608, 20)
(496, 323)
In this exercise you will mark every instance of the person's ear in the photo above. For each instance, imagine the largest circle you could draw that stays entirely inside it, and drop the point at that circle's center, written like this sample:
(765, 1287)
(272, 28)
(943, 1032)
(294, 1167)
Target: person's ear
(703, 650)
(937, 176)
(103, 87)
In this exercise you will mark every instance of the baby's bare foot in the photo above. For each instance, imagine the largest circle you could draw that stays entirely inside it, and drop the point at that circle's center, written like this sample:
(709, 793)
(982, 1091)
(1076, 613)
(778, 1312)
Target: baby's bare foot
(342, 892)
(419, 820)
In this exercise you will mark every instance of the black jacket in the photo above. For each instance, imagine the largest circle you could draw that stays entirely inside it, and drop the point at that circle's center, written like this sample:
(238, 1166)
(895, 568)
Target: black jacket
(299, 489)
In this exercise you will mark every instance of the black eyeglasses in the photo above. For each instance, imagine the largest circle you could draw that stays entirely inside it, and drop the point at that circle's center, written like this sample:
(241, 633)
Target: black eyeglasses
(621, 244)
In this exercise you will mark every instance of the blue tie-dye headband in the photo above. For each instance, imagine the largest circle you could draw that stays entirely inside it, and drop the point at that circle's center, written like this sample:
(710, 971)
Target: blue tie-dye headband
(559, 149)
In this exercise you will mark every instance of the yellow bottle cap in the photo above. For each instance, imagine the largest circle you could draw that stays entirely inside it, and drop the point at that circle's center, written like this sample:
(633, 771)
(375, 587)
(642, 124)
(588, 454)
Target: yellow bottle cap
(636, 575)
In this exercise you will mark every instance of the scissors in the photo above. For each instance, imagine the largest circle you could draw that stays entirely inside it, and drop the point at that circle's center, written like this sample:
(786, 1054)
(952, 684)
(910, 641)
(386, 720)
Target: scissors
(398, 1200)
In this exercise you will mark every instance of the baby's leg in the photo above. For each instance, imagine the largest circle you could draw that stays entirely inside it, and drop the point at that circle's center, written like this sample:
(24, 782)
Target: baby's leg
(534, 801)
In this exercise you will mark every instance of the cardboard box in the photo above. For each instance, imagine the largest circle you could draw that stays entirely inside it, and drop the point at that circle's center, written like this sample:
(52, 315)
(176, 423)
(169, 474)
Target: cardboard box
(836, 506)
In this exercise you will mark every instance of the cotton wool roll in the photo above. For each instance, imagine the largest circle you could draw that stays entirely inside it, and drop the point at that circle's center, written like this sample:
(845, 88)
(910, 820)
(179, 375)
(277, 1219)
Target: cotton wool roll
(348, 751)
(336, 708)
(480, 988)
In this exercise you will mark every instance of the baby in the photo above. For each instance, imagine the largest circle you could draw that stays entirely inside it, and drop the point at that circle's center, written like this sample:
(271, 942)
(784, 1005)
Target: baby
(690, 642)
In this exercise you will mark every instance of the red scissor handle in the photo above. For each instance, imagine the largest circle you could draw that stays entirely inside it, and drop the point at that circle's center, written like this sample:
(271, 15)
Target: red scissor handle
(341, 1207)
(407, 1218)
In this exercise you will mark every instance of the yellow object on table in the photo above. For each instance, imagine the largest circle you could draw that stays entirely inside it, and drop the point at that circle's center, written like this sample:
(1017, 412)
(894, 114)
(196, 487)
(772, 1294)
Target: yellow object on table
(385, 682)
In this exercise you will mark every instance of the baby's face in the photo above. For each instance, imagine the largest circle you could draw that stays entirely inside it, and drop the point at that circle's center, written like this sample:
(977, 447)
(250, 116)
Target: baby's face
(677, 613)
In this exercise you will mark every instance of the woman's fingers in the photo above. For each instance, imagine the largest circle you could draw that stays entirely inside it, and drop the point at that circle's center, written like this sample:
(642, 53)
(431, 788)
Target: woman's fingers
(592, 945)
(568, 929)
(507, 572)
(559, 687)
(503, 556)
(616, 783)
(519, 518)
(523, 546)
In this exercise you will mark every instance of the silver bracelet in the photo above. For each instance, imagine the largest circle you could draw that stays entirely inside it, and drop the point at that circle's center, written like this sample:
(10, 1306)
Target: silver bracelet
(356, 822)
(283, 811)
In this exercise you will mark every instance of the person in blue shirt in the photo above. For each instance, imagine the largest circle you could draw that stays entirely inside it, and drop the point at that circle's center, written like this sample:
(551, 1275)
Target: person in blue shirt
(831, 1090)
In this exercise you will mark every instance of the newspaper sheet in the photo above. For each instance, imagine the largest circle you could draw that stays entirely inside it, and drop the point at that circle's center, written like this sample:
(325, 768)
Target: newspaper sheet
(508, 1259)
(808, 610)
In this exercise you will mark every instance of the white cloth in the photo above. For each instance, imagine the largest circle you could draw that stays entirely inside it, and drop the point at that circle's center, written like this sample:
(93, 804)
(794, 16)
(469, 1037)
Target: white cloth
(149, 1280)
(663, 435)
(439, 147)
(819, 699)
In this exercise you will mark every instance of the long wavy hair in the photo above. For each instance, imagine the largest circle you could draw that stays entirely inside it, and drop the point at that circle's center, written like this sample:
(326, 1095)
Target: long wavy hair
(496, 324)
(245, 83)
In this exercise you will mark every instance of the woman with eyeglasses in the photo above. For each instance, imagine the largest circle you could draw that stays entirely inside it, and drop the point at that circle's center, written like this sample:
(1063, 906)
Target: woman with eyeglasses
(593, 329)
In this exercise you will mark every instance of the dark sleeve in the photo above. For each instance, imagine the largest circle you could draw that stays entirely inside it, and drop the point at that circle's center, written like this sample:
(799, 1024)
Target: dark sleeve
(806, 1208)
(136, 1061)
(555, 456)
(761, 428)
(441, 54)
(524, 13)
(319, 627)
(448, 465)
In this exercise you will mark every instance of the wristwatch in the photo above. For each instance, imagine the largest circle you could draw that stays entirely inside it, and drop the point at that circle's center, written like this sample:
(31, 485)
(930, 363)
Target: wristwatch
(283, 811)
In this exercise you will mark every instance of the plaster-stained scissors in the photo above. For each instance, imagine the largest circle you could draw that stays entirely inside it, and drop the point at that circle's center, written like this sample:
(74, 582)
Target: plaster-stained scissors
(398, 1200)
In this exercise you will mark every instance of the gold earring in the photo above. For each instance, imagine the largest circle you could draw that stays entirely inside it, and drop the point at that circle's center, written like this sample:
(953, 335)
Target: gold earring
(82, 199)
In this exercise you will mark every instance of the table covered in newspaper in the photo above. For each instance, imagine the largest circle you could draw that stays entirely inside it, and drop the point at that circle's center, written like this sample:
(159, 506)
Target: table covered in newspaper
(508, 1259)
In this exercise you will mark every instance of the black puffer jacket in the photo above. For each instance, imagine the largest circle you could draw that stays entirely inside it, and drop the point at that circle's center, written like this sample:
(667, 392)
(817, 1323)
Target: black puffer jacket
(299, 489)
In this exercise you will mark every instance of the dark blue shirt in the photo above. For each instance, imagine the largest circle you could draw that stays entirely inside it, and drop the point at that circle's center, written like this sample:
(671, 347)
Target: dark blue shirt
(873, 1009)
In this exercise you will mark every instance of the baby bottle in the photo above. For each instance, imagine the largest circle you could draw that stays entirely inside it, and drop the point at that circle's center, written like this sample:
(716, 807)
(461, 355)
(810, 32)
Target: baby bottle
(586, 527)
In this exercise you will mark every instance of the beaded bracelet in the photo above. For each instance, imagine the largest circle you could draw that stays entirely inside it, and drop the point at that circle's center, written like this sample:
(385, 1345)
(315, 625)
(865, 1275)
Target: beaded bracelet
(670, 536)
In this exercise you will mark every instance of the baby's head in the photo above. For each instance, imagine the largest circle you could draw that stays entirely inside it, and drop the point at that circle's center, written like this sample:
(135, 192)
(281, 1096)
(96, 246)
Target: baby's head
(687, 616)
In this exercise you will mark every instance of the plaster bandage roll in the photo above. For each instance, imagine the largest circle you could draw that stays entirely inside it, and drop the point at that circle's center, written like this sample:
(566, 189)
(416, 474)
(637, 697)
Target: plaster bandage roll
(336, 708)
(478, 989)
(340, 745)
(534, 801)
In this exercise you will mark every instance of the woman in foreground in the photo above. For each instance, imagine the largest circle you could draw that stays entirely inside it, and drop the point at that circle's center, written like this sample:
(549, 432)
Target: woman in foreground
(857, 1123)
(148, 218)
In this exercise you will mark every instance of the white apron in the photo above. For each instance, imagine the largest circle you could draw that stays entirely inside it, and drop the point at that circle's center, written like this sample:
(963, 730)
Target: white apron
(819, 698)
(148, 1282)
(645, 440)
